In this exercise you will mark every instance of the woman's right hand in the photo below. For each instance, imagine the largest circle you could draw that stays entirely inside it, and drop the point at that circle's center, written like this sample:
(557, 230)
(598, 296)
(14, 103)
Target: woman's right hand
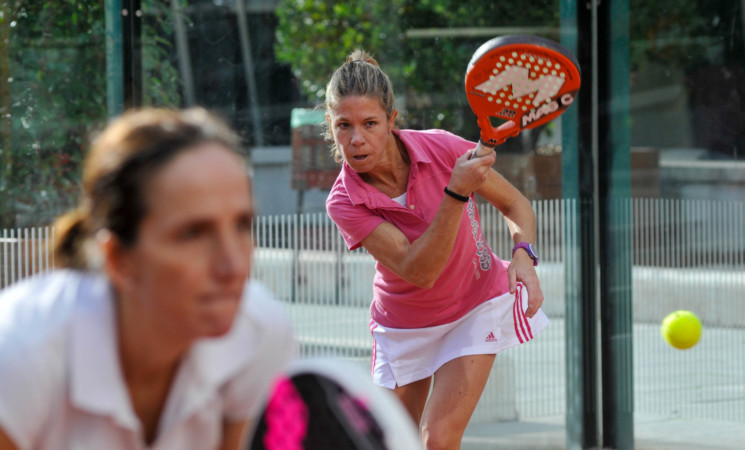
(469, 174)
(420, 262)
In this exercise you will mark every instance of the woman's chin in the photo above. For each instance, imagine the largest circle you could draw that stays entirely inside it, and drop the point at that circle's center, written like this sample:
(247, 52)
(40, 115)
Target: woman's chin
(217, 328)
(219, 320)
(219, 332)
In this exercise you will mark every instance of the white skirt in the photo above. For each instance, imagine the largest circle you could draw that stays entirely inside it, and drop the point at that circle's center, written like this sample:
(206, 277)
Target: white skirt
(403, 355)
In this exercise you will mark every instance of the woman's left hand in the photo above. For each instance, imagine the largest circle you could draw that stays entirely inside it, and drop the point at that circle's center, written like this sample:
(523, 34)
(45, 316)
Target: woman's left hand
(521, 269)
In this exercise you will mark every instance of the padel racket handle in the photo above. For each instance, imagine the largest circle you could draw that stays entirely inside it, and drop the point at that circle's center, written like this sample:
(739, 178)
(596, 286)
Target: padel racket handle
(481, 149)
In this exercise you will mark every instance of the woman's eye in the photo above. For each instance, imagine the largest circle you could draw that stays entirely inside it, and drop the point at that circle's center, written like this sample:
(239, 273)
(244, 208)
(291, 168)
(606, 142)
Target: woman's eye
(245, 224)
(192, 232)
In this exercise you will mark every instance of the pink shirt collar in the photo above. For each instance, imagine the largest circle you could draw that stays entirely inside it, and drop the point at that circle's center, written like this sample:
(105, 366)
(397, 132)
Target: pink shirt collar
(361, 193)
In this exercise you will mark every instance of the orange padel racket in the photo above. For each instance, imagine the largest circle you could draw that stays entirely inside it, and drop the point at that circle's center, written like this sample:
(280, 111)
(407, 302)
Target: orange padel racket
(521, 82)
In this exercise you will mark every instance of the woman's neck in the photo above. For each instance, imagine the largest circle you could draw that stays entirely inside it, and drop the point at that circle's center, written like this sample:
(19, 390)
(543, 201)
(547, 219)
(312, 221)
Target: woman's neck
(145, 348)
(392, 177)
(149, 361)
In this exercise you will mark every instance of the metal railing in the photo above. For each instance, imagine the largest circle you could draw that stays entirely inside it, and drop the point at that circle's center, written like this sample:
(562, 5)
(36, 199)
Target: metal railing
(686, 255)
(24, 252)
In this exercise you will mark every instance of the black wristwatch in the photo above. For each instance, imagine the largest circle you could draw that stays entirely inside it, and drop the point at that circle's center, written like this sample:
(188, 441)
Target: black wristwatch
(528, 247)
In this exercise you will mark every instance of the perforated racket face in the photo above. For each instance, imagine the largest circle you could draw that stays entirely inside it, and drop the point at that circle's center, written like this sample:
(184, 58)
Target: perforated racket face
(522, 82)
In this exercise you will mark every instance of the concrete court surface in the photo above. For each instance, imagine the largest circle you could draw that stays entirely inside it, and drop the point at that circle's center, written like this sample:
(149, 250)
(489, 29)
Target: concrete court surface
(651, 433)
(693, 399)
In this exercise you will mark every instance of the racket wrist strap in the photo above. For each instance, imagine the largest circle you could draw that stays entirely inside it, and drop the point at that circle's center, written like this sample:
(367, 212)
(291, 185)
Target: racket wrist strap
(481, 150)
(462, 198)
(484, 144)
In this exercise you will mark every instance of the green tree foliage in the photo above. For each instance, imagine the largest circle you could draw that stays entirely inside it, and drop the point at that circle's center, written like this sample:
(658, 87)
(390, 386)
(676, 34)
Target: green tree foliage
(423, 45)
(316, 36)
(55, 69)
(686, 34)
(162, 81)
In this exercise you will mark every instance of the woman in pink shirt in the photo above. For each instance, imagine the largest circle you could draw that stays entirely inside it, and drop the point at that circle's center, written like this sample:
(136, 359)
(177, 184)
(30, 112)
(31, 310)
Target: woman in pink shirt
(443, 303)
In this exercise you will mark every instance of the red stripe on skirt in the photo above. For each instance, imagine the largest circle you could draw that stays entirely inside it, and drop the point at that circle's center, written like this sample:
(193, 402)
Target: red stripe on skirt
(522, 326)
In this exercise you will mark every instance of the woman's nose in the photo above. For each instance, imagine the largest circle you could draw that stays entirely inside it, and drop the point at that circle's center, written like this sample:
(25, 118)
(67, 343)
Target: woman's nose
(232, 258)
(356, 136)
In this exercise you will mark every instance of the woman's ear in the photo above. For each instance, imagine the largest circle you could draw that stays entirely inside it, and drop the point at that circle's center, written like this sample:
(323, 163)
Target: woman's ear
(392, 119)
(116, 260)
(331, 129)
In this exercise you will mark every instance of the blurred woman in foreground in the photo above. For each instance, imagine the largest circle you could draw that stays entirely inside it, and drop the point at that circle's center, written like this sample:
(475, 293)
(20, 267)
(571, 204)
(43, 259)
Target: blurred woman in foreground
(150, 335)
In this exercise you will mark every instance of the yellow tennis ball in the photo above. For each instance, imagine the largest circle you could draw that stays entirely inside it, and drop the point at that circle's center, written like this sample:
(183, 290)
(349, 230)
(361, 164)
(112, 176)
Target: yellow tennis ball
(681, 329)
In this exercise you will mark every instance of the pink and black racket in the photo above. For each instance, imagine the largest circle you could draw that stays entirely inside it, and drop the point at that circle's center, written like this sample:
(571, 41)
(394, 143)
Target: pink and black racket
(518, 82)
(332, 404)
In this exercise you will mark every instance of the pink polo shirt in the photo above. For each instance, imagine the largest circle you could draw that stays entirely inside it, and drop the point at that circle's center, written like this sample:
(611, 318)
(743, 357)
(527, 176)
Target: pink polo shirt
(472, 275)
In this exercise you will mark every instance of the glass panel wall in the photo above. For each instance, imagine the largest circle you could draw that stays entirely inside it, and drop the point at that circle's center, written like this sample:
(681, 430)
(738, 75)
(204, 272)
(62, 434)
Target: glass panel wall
(220, 55)
(687, 62)
(52, 92)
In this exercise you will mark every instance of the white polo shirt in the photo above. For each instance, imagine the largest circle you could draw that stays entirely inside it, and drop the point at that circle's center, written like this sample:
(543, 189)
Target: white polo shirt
(61, 384)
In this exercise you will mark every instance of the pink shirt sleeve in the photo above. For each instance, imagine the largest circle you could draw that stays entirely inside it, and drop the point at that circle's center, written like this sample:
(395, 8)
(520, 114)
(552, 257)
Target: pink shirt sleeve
(355, 222)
